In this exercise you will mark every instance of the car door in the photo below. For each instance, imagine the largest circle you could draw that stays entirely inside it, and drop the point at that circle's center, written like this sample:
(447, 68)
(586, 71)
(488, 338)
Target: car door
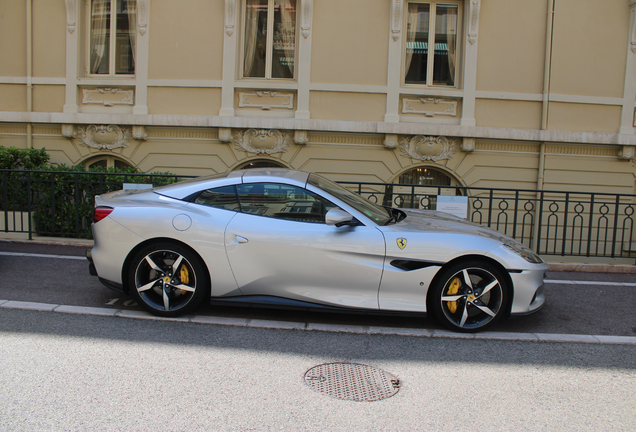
(279, 245)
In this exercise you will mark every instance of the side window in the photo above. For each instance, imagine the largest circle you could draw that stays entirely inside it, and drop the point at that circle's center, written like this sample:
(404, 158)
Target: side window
(283, 202)
(222, 198)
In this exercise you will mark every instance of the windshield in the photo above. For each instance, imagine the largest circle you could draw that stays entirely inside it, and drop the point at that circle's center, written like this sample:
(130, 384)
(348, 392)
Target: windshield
(376, 213)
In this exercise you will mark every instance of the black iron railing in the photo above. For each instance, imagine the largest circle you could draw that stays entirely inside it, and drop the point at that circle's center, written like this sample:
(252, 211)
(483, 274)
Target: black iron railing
(57, 203)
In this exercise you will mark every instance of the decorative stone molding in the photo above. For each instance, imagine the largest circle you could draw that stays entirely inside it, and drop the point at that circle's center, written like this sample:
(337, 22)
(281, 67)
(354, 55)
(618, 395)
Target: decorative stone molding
(230, 16)
(225, 135)
(306, 17)
(139, 133)
(627, 153)
(142, 16)
(262, 141)
(71, 8)
(102, 137)
(428, 148)
(467, 145)
(391, 141)
(396, 19)
(108, 96)
(301, 137)
(473, 21)
(68, 131)
(266, 100)
(430, 107)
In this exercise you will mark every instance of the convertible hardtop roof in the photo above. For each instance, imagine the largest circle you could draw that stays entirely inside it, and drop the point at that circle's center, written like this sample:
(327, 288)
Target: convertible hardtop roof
(188, 187)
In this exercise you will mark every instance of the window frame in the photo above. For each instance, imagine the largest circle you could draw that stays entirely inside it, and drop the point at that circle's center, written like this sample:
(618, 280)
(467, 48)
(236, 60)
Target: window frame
(269, 44)
(112, 48)
(459, 50)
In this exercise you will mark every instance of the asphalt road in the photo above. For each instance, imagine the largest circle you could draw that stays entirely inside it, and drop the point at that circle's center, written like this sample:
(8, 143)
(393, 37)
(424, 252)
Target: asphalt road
(61, 371)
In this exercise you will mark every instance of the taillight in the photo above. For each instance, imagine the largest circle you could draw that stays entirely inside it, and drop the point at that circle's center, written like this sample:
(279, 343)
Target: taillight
(100, 213)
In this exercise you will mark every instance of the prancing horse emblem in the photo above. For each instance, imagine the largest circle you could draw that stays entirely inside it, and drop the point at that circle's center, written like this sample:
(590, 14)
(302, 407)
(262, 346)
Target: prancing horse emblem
(401, 242)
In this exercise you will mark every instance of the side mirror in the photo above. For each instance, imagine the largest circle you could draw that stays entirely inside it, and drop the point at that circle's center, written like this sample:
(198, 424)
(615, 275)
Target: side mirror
(338, 217)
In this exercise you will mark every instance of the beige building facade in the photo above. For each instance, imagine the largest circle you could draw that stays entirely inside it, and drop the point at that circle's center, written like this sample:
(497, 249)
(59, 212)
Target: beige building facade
(519, 94)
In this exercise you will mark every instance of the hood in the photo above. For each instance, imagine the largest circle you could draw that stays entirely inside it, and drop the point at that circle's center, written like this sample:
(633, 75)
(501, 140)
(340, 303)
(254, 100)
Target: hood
(429, 221)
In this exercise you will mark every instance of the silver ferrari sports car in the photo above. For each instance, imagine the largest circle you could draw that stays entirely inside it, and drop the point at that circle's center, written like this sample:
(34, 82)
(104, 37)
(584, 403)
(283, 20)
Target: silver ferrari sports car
(283, 238)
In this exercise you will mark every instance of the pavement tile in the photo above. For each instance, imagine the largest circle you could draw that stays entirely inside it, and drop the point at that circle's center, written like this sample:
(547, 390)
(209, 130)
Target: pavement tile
(29, 305)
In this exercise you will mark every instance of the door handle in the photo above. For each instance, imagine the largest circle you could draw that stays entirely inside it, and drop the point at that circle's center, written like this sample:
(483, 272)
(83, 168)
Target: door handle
(241, 239)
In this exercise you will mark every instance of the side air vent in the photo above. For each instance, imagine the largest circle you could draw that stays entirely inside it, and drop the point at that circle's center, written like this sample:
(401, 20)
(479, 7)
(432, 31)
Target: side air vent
(410, 265)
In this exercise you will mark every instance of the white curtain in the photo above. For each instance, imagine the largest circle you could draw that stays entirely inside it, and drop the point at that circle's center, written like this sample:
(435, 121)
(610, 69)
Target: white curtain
(411, 32)
(251, 34)
(131, 8)
(451, 40)
(99, 17)
(288, 30)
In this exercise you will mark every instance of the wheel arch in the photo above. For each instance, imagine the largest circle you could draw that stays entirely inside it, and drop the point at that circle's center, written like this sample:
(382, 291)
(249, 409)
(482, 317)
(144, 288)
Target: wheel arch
(473, 259)
(150, 242)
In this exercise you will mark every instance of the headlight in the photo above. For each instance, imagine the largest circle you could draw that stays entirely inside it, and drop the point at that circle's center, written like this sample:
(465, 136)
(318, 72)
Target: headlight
(524, 253)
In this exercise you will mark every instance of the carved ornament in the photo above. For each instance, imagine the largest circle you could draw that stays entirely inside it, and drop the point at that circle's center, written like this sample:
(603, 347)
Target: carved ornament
(396, 19)
(225, 135)
(301, 137)
(108, 96)
(230, 16)
(473, 21)
(263, 141)
(627, 153)
(266, 100)
(428, 148)
(142, 16)
(306, 17)
(71, 8)
(430, 107)
(468, 145)
(102, 137)
(391, 141)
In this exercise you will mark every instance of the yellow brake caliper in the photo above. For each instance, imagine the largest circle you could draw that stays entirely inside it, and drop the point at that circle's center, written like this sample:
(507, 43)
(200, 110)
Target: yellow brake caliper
(453, 288)
(184, 275)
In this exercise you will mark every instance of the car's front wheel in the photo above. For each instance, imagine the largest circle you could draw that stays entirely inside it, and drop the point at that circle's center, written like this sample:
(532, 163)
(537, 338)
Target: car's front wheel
(470, 296)
(168, 280)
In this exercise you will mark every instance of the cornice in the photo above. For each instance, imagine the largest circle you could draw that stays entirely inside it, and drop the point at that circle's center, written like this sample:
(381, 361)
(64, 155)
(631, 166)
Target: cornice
(317, 125)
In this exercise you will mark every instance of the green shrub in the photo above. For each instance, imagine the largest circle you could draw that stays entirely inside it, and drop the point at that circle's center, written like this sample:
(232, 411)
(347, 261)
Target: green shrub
(61, 200)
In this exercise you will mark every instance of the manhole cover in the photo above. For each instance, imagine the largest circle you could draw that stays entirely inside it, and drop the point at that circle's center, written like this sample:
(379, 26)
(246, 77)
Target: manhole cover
(352, 381)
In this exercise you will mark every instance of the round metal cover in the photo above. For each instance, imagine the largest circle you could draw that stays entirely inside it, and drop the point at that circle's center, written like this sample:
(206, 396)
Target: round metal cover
(350, 381)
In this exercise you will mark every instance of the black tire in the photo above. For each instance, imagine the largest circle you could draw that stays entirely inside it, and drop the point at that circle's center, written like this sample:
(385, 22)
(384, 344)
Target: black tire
(470, 296)
(168, 280)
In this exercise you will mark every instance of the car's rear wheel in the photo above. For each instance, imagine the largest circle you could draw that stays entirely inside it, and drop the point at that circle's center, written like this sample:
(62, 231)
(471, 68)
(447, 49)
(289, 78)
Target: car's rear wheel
(470, 296)
(168, 280)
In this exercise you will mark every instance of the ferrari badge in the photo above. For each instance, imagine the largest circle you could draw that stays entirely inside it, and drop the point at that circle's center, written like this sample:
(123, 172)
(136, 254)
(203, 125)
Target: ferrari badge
(401, 242)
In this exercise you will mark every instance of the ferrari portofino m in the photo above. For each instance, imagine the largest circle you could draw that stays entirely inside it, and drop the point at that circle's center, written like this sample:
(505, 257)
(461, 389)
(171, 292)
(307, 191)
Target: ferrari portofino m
(283, 238)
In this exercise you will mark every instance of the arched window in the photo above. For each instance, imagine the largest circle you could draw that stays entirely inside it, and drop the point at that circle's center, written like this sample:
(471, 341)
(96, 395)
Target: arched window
(427, 183)
(106, 161)
(261, 163)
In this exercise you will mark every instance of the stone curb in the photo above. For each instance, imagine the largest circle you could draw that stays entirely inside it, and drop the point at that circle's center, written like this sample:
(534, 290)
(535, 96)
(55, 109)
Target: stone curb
(285, 325)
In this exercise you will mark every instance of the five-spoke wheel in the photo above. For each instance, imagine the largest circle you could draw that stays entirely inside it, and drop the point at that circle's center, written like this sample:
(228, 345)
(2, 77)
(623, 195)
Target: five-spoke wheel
(168, 280)
(470, 296)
